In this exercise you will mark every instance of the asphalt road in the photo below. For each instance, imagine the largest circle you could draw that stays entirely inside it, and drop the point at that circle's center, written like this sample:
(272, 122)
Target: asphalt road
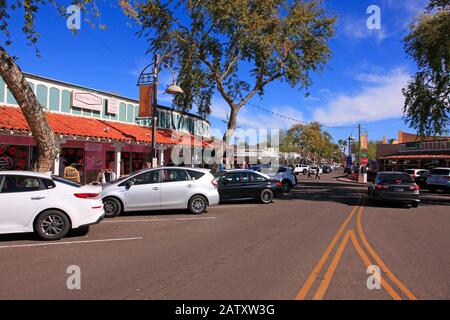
(315, 243)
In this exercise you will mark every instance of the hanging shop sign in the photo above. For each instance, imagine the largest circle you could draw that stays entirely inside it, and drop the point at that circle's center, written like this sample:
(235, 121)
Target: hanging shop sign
(86, 100)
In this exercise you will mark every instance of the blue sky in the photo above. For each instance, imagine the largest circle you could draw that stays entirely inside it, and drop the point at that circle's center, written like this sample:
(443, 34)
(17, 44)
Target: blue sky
(360, 84)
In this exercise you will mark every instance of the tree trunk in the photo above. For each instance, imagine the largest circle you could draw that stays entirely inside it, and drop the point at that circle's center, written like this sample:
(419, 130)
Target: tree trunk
(32, 110)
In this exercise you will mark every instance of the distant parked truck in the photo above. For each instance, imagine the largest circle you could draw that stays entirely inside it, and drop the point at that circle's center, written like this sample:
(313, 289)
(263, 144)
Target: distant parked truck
(301, 168)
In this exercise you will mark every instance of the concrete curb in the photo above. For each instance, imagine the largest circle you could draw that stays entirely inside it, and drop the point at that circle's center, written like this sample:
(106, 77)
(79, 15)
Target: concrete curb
(346, 180)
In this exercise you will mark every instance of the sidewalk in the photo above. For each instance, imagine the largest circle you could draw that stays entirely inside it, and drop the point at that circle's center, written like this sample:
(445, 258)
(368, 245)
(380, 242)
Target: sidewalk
(350, 179)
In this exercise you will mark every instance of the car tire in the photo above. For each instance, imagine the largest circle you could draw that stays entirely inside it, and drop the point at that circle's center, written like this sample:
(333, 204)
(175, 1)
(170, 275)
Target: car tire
(305, 172)
(266, 196)
(52, 225)
(415, 204)
(198, 204)
(286, 185)
(112, 206)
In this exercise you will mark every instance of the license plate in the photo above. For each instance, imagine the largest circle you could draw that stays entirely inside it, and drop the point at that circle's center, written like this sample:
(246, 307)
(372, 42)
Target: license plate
(398, 189)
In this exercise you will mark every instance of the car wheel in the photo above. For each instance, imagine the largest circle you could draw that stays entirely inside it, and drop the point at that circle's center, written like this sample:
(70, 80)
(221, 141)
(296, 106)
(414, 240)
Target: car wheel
(197, 204)
(52, 225)
(112, 207)
(266, 196)
(286, 185)
(305, 172)
(415, 204)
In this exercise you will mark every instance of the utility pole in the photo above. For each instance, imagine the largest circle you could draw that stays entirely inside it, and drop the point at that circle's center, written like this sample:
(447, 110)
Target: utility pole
(153, 111)
(359, 145)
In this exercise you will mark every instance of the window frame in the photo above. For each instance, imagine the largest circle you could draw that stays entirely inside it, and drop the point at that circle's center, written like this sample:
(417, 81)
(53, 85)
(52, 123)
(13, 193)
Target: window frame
(41, 184)
(161, 178)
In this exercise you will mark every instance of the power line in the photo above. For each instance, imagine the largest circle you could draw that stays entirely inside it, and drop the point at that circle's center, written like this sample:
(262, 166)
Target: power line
(297, 120)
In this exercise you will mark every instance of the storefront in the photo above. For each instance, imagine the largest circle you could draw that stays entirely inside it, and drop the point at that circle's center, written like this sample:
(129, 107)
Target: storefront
(94, 130)
(414, 155)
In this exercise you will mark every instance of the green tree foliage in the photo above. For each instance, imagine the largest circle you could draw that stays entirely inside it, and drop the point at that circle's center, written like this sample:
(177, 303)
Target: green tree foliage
(313, 142)
(213, 42)
(428, 93)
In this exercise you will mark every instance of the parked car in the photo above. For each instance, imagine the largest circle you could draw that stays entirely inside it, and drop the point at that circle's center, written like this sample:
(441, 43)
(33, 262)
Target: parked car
(161, 189)
(439, 179)
(396, 187)
(244, 184)
(415, 173)
(282, 174)
(47, 205)
(421, 180)
(301, 168)
(327, 169)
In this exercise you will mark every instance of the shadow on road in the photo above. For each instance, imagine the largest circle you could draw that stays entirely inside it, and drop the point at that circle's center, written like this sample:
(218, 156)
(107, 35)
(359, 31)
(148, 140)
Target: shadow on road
(315, 190)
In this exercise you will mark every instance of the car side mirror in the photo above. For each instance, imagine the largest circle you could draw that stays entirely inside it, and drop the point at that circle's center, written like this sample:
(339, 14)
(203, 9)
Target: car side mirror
(130, 183)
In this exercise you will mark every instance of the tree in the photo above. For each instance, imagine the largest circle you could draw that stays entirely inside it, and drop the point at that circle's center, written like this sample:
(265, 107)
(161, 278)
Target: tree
(428, 93)
(314, 143)
(211, 40)
(17, 84)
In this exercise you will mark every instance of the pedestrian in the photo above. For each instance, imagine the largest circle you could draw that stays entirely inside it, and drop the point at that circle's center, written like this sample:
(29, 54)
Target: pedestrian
(72, 174)
(309, 174)
(317, 174)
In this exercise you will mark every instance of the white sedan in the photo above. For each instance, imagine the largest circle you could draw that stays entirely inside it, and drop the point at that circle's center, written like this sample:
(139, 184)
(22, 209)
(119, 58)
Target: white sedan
(161, 189)
(47, 205)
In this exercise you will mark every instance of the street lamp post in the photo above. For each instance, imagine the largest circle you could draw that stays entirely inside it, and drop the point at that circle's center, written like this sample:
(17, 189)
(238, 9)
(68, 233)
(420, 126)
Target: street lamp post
(151, 78)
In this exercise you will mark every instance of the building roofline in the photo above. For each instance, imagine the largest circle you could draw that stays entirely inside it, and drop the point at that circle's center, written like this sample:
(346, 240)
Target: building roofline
(104, 92)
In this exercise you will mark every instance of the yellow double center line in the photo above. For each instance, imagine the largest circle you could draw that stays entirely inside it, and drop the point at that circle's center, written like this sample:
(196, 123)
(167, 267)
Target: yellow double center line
(350, 235)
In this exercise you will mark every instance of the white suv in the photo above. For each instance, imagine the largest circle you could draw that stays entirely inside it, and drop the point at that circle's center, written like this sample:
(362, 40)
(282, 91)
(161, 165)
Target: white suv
(439, 178)
(301, 168)
(282, 174)
(161, 189)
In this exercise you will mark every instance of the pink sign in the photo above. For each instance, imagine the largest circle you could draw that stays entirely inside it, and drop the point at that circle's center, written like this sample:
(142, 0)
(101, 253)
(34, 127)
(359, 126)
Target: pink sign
(86, 100)
(113, 106)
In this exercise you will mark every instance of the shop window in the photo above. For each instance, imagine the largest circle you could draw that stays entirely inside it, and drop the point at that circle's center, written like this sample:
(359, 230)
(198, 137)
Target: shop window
(54, 99)
(132, 162)
(14, 157)
(41, 94)
(73, 157)
(122, 112)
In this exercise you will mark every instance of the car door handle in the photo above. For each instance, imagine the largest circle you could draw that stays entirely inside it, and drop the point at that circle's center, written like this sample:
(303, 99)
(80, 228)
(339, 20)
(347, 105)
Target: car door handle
(155, 188)
(189, 186)
(37, 198)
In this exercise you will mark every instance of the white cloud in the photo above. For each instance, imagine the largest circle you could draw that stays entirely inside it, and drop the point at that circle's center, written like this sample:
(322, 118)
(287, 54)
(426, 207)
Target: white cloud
(356, 29)
(380, 98)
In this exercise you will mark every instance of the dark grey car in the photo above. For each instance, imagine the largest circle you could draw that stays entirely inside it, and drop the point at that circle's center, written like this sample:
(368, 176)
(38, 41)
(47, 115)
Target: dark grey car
(396, 187)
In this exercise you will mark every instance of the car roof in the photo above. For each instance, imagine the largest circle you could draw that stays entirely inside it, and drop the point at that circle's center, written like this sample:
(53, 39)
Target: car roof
(26, 173)
(391, 172)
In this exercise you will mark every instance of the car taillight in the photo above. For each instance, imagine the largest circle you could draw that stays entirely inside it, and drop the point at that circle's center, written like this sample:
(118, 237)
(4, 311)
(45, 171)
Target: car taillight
(447, 177)
(87, 195)
(414, 187)
(279, 184)
(381, 186)
(214, 182)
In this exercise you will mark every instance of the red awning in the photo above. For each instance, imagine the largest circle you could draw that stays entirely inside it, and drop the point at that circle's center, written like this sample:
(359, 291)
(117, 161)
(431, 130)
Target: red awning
(12, 118)
(416, 156)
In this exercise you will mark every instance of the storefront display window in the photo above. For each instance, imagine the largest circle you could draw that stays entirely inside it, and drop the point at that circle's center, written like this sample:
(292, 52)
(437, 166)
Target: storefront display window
(14, 157)
(72, 157)
(132, 162)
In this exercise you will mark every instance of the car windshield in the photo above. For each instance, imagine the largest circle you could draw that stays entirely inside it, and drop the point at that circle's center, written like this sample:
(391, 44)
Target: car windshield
(440, 172)
(395, 178)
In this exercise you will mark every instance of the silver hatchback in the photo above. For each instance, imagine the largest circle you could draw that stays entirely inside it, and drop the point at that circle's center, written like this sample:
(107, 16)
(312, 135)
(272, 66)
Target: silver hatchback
(164, 188)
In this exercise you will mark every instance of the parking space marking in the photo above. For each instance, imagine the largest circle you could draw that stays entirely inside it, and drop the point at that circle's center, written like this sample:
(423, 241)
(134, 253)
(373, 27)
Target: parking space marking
(158, 220)
(68, 242)
(230, 206)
